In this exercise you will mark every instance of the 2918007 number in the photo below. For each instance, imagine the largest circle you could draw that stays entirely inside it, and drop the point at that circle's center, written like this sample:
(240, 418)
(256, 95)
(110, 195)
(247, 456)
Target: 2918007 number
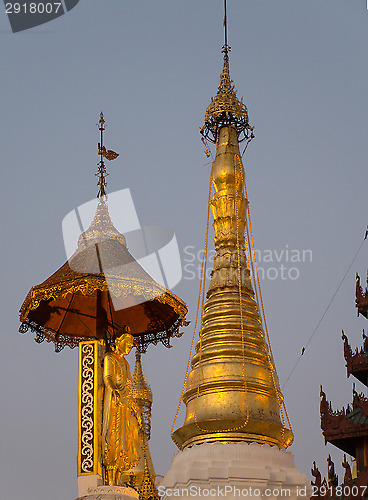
(32, 8)
(346, 491)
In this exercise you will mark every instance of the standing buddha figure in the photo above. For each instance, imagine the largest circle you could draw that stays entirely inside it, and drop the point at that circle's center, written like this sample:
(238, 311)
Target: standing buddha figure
(121, 418)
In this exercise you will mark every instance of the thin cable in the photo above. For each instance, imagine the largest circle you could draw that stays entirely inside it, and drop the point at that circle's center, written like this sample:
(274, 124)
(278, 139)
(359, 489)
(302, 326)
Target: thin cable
(259, 298)
(246, 145)
(201, 299)
(199, 307)
(325, 312)
(239, 248)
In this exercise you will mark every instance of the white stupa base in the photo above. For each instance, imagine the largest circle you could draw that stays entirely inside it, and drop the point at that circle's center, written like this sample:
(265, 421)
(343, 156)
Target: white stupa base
(110, 493)
(234, 470)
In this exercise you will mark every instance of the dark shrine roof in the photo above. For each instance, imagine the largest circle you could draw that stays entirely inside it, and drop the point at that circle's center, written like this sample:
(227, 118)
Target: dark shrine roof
(358, 417)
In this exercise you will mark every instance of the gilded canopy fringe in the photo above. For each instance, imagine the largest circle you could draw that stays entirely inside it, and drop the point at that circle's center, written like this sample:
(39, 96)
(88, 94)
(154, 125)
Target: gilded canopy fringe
(118, 288)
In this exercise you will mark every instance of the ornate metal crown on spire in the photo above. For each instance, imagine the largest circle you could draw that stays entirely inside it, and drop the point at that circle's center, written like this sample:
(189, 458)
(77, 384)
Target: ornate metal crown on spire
(226, 109)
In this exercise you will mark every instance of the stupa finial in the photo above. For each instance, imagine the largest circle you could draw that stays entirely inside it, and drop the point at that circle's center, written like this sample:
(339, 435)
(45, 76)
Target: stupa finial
(225, 108)
(109, 155)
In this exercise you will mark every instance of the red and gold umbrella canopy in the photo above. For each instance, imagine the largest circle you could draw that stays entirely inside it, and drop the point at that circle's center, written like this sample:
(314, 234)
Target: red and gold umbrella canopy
(97, 291)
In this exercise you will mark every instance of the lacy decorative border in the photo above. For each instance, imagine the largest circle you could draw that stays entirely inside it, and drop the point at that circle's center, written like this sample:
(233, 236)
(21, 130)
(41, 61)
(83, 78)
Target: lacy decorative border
(88, 286)
(87, 402)
(141, 341)
(59, 341)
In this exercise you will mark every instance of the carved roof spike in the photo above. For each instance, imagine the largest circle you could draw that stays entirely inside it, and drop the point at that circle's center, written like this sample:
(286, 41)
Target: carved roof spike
(348, 478)
(365, 342)
(316, 473)
(361, 298)
(347, 349)
(332, 477)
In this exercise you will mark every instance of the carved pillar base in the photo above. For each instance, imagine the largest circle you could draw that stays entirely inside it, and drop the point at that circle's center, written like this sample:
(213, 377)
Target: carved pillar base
(110, 493)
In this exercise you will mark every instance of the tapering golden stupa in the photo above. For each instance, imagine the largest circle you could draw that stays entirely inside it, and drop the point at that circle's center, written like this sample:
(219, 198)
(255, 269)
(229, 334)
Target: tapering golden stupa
(232, 393)
(235, 434)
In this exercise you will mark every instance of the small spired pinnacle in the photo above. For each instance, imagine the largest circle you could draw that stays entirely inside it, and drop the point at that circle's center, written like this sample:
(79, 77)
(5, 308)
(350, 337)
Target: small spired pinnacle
(109, 155)
(142, 394)
(148, 490)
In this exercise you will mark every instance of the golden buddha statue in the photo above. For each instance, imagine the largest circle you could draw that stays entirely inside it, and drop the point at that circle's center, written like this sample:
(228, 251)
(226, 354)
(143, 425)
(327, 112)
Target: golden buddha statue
(121, 418)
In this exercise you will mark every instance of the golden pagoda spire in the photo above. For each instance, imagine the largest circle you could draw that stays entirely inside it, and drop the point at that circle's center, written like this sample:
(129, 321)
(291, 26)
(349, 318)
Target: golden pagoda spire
(232, 393)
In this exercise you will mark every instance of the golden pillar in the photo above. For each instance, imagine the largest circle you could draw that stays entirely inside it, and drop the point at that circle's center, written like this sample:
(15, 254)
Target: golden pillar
(90, 406)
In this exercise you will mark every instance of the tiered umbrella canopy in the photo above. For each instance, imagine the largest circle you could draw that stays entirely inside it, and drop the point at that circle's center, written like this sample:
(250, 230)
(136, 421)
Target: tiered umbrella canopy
(100, 289)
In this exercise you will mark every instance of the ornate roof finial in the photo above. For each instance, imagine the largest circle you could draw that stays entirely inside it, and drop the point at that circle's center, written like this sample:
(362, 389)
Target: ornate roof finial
(109, 155)
(225, 107)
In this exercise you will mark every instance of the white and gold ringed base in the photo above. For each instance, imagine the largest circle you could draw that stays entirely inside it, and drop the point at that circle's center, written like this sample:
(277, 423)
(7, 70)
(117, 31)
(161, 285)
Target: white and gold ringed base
(234, 471)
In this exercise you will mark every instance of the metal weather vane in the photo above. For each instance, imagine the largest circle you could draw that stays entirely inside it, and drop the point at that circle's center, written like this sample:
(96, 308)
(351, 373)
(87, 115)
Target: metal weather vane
(104, 153)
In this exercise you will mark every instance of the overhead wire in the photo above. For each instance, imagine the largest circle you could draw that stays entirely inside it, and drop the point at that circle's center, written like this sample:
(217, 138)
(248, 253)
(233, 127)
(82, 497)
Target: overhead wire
(325, 311)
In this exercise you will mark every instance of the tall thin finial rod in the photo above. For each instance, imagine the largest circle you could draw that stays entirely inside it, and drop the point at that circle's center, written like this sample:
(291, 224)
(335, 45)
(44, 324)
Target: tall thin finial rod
(225, 23)
(225, 49)
(109, 155)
